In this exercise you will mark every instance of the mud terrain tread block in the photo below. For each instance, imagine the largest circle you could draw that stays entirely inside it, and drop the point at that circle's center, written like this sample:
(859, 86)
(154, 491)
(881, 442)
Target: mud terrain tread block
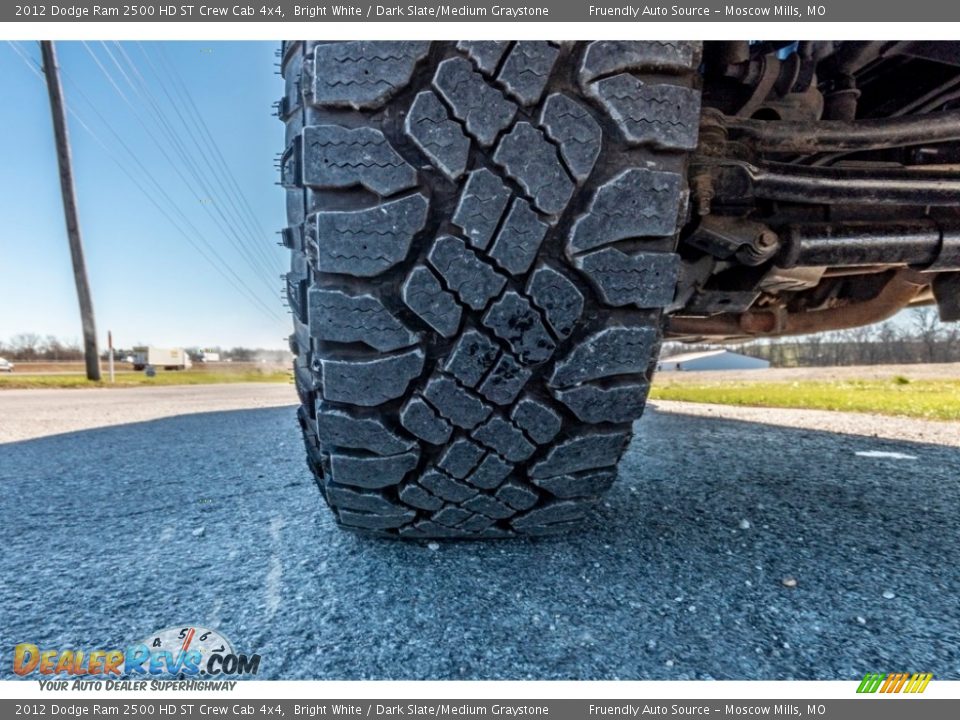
(532, 161)
(614, 404)
(473, 280)
(665, 116)
(616, 350)
(373, 472)
(489, 506)
(646, 280)
(539, 421)
(428, 529)
(451, 515)
(505, 439)
(551, 514)
(518, 241)
(438, 137)
(476, 523)
(363, 74)
(512, 319)
(558, 297)
(589, 484)
(457, 405)
(485, 54)
(364, 243)
(482, 202)
(371, 521)
(339, 429)
(483, 109)
(519, 496)
(446, 487)
(472, 357)
(370, 382)
(460, 458)
(423, 293)
(423, 421)
(636, 203)
(340, 157)
(505, 381)
(363, 500)
(572, 127)
(337, 316)
(418, 497)
(525, 71)
(605, 57)
(582, 452)
(491, 471)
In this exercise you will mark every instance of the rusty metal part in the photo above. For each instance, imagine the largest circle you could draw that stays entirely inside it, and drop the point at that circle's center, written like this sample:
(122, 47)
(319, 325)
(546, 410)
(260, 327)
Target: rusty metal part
(855, 270)
(769, 74)
(740, 182)
(751, 242)
(839, 135)
(778, 280)
(899, 291)
(702, 187)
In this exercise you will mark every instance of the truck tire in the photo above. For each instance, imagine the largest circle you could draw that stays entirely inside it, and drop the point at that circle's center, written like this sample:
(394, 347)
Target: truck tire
(483, 239)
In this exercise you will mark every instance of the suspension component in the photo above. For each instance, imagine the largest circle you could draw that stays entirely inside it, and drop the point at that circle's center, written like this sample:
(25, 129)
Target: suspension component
(924, 244)
(811, 137)
(751, 242)
(740, 183)
(899, 291)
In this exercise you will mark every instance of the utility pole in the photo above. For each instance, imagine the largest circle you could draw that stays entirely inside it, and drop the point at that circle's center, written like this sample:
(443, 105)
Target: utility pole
(55, 91)
(110, 354)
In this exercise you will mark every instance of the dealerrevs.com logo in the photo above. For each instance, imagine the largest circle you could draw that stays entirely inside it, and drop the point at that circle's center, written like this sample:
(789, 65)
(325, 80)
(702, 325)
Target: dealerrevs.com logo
(184, 652)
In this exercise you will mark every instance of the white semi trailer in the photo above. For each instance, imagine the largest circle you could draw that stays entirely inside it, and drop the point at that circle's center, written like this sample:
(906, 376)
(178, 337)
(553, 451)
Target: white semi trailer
(166, 358)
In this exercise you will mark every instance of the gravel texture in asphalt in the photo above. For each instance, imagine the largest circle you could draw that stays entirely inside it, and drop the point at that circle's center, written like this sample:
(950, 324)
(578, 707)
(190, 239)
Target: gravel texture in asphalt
(728, 549)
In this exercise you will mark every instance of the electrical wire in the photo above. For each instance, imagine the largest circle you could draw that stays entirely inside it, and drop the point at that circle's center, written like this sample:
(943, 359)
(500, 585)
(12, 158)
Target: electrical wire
(217, 261)
(177, 80)
(198, 185)
(203, 148)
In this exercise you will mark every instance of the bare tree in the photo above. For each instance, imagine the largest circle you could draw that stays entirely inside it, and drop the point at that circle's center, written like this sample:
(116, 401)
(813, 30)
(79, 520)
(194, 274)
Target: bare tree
(926, 329)
(26, 346)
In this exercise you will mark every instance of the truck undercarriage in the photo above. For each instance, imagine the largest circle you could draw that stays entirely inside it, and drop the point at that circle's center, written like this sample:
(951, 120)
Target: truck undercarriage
(490, 239)
(825, 189)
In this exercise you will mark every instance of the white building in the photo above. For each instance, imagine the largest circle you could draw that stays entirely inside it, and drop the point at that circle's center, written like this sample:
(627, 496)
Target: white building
(711, 360)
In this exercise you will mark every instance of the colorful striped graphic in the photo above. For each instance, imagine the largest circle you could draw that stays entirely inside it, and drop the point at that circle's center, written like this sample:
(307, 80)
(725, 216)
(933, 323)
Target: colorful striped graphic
(894, 682)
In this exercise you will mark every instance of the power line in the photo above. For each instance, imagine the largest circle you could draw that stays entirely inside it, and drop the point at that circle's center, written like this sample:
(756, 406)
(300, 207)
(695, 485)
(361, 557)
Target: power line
(176, 80)
(221, 266)
(225, 225)
(173, 204)
(203, 148)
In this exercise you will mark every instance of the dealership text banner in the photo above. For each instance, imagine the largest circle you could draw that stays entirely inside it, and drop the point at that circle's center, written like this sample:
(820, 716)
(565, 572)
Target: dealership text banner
(503, 11)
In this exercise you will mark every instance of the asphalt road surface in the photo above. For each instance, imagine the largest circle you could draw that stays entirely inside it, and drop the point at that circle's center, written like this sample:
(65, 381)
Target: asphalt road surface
(211, 518)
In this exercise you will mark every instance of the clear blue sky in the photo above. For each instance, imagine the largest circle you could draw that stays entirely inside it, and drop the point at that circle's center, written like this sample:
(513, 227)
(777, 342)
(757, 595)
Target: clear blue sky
(149, 285)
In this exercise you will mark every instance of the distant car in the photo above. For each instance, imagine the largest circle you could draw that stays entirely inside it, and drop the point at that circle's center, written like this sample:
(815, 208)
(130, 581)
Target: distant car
(5, 365)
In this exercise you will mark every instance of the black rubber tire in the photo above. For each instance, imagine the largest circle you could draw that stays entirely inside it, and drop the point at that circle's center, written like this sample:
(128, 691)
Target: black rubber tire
(482, 239)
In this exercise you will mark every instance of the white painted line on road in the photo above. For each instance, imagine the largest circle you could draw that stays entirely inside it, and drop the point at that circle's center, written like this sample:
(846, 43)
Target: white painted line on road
(885, 454)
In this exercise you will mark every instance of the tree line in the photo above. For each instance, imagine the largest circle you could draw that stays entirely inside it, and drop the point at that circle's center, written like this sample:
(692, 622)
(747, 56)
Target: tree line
(32, 347)
(919, 338)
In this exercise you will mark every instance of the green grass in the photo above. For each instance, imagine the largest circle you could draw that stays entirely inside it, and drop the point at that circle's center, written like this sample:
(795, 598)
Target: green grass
(927, 399)
(138, 379)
